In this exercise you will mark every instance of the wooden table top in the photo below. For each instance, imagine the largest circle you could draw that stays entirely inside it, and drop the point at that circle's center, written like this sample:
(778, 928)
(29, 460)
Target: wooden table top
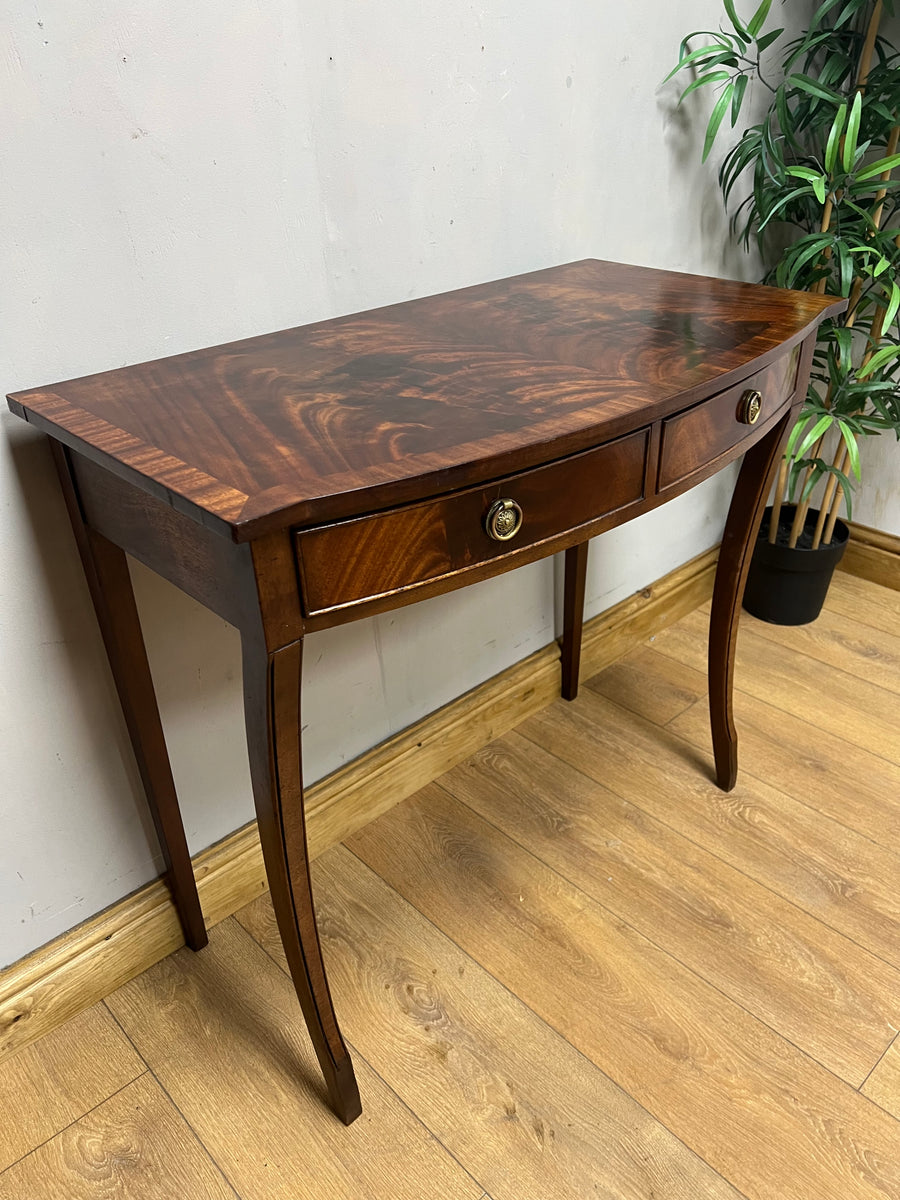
(367, 411)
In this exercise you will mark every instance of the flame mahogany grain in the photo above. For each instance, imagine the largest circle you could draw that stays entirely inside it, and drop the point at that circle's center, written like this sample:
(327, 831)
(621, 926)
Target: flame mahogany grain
(303, 478)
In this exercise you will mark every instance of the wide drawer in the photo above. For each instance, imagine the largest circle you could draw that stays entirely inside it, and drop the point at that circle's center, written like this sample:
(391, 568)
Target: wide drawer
(694, 440)
(361, 559)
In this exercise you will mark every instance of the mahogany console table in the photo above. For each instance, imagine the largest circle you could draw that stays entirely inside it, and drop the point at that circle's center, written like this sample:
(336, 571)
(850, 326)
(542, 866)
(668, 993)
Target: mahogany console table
(302, 479)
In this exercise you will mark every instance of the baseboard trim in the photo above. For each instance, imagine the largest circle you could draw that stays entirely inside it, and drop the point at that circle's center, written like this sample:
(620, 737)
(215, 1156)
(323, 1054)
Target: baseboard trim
(873, 555)
(68, 975)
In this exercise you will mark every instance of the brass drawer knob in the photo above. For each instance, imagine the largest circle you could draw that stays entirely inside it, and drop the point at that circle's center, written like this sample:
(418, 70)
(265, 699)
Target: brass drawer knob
(503, 520)
(750, 407)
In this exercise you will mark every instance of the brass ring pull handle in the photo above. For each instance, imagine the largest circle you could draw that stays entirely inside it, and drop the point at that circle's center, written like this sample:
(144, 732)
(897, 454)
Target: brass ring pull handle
(750, 407)
(503, 520)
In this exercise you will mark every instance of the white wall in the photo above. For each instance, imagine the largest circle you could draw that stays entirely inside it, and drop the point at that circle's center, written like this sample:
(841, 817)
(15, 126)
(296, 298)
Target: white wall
(180, 174)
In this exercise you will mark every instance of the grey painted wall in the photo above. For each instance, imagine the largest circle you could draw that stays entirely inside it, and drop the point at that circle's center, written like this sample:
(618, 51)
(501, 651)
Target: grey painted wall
(177, 175)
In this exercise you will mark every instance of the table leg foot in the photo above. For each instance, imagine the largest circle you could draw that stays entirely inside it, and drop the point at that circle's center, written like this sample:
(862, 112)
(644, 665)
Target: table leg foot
(272, 707)
(741, 527)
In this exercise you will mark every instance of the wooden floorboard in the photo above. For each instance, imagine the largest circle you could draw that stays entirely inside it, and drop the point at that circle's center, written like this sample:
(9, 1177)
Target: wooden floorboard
(572, 968)
(49, 1085)
(847, 705)
(221, 1031)
(133, 1146)
(765, 953)
(719, 1079)
(472, 1060)
(861, 604)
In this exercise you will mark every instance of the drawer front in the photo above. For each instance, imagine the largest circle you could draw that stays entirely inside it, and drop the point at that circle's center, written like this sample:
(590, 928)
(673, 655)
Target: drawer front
(694, 440)
(368, 557)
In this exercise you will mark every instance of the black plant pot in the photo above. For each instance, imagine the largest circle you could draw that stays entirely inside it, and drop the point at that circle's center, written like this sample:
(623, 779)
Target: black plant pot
(787, 586)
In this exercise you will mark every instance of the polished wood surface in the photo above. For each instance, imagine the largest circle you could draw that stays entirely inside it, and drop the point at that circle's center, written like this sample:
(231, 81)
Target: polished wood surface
(379, 555)
(381, 408)
(574, 580)
(693, 439)
(297, 480)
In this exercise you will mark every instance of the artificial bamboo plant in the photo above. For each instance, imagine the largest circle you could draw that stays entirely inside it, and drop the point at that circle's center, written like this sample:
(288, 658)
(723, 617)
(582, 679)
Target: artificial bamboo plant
(822, 203)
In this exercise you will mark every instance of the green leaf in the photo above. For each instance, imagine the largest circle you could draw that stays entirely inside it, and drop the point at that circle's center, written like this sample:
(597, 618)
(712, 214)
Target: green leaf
(796, 434)
(733, 17)
(878, 360)
(876, 168)
(756, 22)
(737, 98)
(823, 423)
(844, 339)
(852, 448)
(834, 138)
(715, 119)
(764, 43)
(822, 10)
(704, 51)
(852, 133)
(813, 88)
(893, 305)
(709, 77)
(845, 263)
(815, 177)
(817, 473)
(783, 203)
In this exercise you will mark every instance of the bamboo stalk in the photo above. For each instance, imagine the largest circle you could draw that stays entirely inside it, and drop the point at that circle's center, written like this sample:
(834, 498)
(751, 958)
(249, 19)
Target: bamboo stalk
(890, 149)
(777, 499)
(823, 228)
(838, 497)
(803, 505)
(828, 497)
(865, 58)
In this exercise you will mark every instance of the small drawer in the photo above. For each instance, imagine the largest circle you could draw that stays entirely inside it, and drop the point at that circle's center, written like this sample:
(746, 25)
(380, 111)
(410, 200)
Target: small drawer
(694, 440)
(367, 557)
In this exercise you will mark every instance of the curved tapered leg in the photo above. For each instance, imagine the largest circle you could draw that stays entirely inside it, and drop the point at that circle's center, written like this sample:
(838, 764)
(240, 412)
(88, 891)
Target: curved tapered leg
(744, 516)
(573, 617)
(109, 582)
(272, 708)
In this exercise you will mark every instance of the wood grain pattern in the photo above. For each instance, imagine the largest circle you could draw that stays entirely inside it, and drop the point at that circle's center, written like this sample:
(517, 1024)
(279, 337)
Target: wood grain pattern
(272, 706)
(47, 1086)
(817, 989)
(134, 1146)
(656, 687)
(220, 1032)
(836, 777)
(873, 655)
(883, 1085)
(514, 1103)
(848, 706)
(720, 1080)
(832, 872)
(382, 408)
(697, 437)
(854, 598)
(379, 555)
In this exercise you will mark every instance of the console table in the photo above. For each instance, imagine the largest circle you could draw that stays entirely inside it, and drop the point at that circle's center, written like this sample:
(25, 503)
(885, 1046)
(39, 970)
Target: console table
(302, 479)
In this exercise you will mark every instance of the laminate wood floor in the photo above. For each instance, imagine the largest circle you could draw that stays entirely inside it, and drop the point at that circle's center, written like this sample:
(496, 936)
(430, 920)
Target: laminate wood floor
(570, 968)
